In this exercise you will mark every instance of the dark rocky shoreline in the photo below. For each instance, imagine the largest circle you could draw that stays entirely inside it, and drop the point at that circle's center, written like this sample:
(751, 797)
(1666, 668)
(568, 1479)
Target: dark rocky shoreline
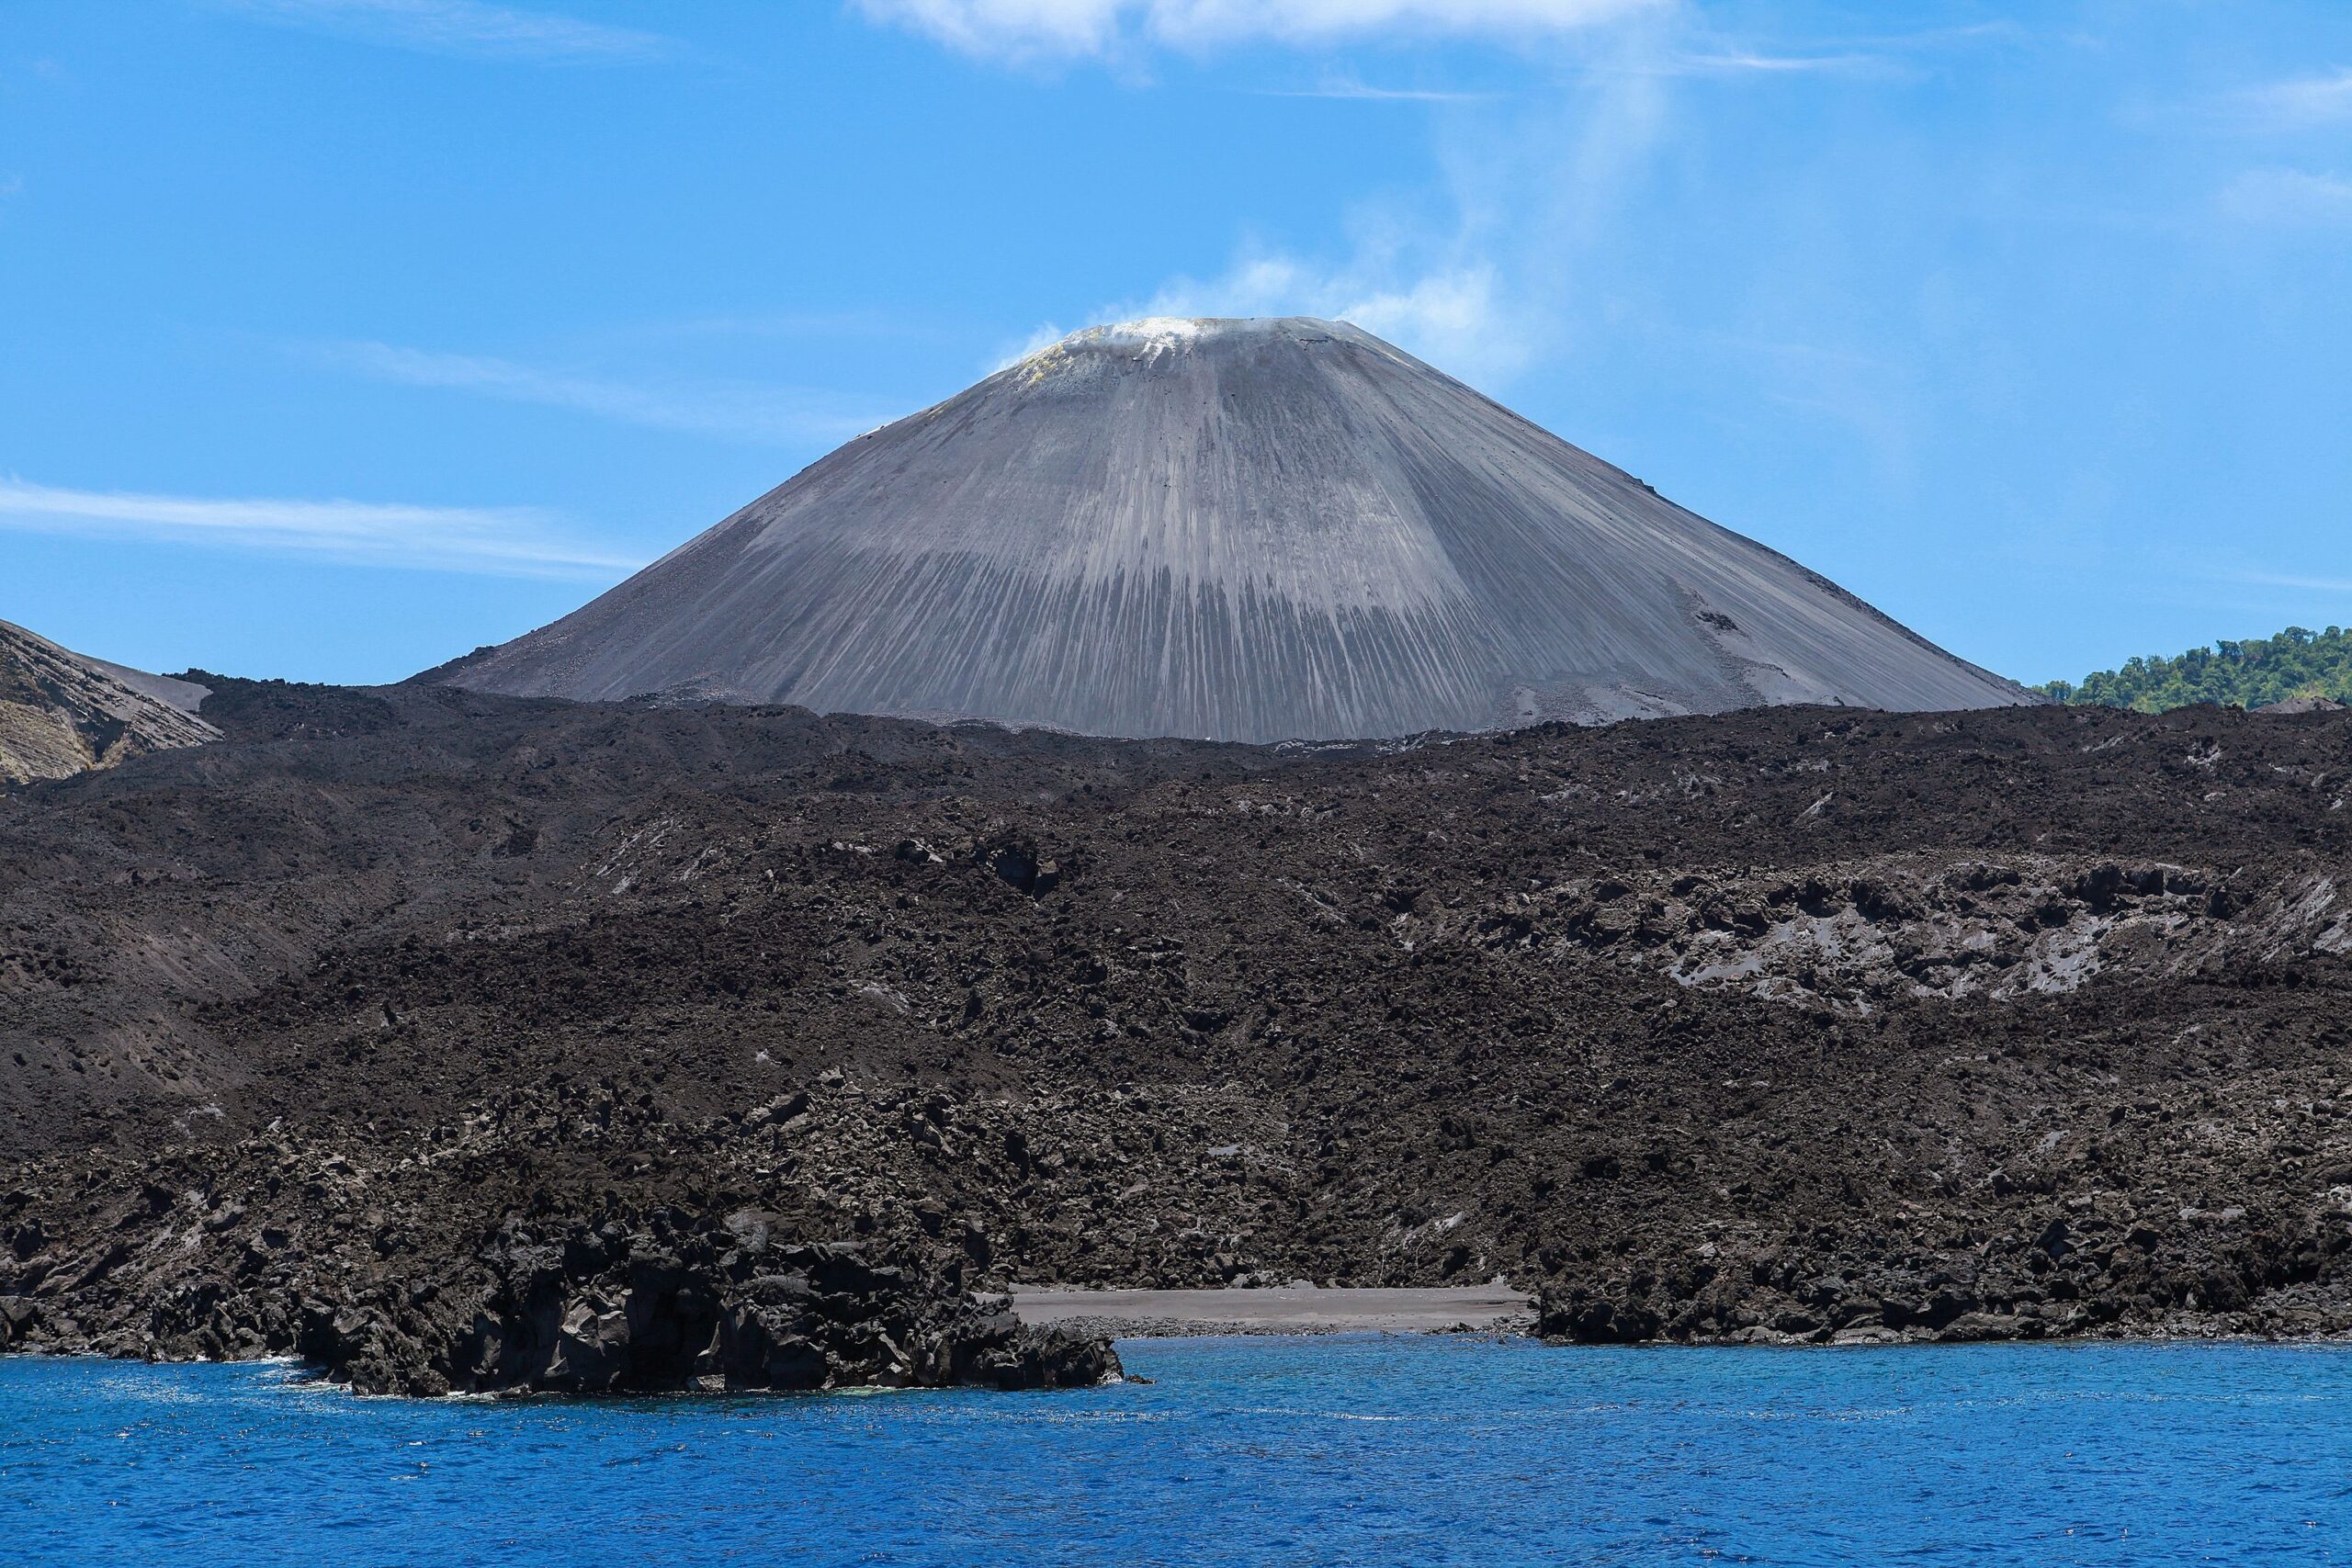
(439, 1287)
(1793, 1026)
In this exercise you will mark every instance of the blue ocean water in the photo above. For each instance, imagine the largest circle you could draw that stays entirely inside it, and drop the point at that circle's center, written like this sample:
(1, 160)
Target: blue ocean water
(1351, 1450)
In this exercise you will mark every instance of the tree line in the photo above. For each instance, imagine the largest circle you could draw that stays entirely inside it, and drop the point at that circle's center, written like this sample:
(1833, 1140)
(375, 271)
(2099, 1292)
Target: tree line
(2295, 663)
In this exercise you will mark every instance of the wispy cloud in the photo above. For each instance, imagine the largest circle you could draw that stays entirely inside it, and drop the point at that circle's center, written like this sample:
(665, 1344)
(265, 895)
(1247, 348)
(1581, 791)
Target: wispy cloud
(854, 324)
(496, 541)
(1899, 56)
(1084, 27)
(1485, 275)
(2324, 99)
(465, 27)
(1030, 29)
(1491, 272)
(2292, 197)
(2285, 579)
(1733, 62)
(1939, 38)
(1349, 87)
(761, 414)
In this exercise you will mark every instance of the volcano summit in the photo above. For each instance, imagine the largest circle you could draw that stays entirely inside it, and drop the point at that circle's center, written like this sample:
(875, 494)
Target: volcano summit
(1241, 530)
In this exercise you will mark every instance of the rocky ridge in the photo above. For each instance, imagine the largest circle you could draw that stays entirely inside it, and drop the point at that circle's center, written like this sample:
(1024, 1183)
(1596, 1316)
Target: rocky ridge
(62, 714)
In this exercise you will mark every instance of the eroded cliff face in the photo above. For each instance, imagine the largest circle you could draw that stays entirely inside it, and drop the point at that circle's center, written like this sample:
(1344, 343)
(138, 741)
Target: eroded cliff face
(61, 714)
(1237, 530)
(1786, 1022)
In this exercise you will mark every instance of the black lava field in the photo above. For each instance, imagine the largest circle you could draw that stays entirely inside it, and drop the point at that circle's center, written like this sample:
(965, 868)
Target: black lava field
(1784, 1024)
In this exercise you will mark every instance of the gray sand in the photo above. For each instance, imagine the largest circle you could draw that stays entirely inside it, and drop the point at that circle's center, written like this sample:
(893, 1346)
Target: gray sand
(1290, 1310)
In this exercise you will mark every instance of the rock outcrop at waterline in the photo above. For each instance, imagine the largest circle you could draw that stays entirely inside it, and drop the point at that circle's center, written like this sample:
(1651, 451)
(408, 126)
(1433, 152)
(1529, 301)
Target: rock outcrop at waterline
(605, 1309)
(236, 1253)
(2091, 1270)
(1236, 530)
(62, 712)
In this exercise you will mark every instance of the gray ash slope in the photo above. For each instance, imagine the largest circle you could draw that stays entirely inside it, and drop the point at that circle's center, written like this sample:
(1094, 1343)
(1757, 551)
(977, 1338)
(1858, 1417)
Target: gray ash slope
(1239, 530)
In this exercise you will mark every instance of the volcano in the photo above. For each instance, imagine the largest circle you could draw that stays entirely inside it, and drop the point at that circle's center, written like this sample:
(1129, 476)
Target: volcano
(1241, 530)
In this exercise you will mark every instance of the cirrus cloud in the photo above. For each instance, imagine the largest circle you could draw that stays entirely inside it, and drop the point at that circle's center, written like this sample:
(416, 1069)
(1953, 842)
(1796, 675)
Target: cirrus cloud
(467, 28)
(2324, 99)
(2288, 197)
(496, 541)
(757, 414)
(1078, 27)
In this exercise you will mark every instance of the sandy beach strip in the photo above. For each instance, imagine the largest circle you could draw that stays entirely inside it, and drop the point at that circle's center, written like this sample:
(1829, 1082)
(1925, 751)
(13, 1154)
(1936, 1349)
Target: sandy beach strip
(1293, 1309)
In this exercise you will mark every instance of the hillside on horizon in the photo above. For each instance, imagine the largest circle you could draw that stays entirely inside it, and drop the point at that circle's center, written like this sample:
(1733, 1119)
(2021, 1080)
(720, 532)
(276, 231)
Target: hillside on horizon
(2297, 663)
(64, 713)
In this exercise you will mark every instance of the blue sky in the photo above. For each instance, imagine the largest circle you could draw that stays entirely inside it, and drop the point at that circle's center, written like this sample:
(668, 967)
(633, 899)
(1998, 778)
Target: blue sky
(340, 336)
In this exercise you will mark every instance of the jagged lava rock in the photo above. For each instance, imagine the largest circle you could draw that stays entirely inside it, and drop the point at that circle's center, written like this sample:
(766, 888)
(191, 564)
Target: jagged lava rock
(661, 1299)
(605, 1309)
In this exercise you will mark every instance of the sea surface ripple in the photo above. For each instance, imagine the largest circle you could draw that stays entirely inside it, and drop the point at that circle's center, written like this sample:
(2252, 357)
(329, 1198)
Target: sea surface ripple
(1354, 1451)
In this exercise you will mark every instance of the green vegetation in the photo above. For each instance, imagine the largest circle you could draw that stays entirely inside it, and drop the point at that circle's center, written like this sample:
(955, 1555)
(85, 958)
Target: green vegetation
(2295, 663)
